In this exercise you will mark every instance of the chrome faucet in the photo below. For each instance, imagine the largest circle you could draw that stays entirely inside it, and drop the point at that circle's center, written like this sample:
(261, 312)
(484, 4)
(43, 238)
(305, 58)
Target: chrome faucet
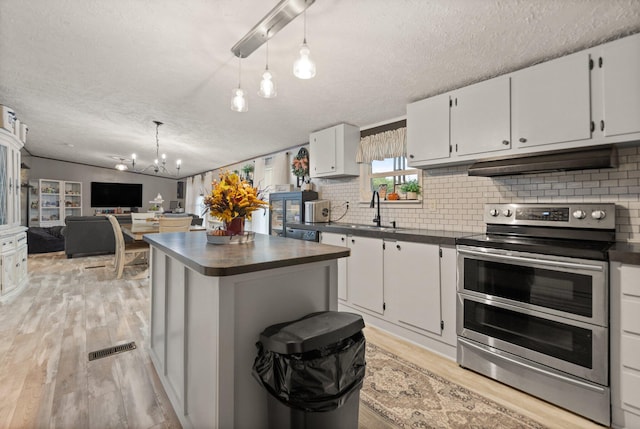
(375, 195)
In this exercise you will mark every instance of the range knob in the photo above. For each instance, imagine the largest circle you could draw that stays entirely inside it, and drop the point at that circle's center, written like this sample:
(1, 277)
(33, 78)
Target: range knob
(506, 212)
(579, 214)
(598, 214)
(494, 212)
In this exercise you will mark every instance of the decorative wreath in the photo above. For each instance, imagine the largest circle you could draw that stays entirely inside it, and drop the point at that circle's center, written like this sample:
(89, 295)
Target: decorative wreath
(300, 164)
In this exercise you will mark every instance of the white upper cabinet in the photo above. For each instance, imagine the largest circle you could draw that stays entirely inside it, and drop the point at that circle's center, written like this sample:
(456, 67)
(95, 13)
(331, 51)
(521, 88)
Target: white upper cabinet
(480, 121)
(551, 102)
(332, 151)
(428, 129)
(620, 65)
(461, 124)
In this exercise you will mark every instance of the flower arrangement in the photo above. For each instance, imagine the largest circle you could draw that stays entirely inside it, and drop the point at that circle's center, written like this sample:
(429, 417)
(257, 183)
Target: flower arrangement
(232, 197)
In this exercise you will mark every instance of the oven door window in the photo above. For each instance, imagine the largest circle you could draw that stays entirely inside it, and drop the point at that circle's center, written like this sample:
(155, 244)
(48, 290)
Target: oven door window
(566, 342)
(558, 290)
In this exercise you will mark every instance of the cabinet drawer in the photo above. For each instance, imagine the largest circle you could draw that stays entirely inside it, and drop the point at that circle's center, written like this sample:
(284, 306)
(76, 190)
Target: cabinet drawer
(629, 287)
(7, 243)
(630, 390)
(630, 351)
(629, 314)
(21, 239)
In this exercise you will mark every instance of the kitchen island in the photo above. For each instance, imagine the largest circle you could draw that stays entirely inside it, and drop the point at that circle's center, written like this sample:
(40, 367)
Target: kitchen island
(209, 304)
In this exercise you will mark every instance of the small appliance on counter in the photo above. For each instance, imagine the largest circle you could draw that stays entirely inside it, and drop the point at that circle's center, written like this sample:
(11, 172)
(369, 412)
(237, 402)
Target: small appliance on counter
(317, 211)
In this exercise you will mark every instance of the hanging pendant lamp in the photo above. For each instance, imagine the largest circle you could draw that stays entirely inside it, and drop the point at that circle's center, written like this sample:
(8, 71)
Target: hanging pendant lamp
(267, 85)
(238, 100)
(304, 67)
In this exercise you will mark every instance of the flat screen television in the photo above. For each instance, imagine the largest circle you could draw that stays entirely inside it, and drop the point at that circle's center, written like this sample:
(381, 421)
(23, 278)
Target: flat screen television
(105, 194)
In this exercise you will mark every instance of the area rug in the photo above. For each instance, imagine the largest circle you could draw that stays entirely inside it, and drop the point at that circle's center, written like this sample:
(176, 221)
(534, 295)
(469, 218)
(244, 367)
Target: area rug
(408, 396)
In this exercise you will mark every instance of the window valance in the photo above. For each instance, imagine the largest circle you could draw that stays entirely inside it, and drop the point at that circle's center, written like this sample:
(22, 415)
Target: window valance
(388, 144)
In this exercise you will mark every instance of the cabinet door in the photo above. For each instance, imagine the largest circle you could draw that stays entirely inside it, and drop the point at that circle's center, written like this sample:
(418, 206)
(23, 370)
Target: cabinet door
(480, 117)
(322, 145)
(428, 129)
(72, 199)
(364, 273)
(338, 240)
(50, 206)
(621, 86)
(21, 264)
(9, 280)
(276, 226)
(4, 185)
(551, 102)
(412, 277)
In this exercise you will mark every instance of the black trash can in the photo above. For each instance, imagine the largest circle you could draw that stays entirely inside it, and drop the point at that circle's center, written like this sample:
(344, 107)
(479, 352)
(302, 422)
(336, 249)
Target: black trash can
(313, 369)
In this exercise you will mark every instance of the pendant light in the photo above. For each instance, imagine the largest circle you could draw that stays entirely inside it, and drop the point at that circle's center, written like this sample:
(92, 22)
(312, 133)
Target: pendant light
(267, 85)
(304, 67)
(238, 100)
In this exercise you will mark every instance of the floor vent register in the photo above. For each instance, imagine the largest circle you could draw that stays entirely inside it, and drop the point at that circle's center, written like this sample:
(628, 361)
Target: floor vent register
(112, 351)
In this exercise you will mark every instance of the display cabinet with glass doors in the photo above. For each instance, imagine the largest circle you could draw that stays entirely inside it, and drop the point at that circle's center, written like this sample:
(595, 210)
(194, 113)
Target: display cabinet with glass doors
(287, 208)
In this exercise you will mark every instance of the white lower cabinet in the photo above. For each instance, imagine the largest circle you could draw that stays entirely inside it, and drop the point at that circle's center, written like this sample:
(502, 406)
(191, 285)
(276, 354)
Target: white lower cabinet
(625, 345)
(412, 284)
(338, 240)
(9, 277)
(365, 274)
(406, 288)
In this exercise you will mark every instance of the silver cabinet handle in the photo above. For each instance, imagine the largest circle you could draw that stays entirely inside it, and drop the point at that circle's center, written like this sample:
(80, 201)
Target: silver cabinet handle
(505, 142)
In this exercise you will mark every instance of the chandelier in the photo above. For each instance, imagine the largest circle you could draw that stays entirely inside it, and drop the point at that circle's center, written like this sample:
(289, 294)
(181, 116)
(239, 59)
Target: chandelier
(160, 163)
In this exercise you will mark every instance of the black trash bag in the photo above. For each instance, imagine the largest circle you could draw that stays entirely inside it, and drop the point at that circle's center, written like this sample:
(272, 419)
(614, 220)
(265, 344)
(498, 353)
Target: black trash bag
(318, 380)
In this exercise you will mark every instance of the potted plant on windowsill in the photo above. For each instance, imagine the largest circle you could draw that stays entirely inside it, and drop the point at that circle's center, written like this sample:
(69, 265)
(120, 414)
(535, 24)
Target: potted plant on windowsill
(411, 188)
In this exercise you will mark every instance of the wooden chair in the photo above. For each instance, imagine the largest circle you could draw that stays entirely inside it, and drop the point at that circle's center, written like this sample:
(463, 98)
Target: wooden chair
(175, 224)
(123, 248)
(141, 217)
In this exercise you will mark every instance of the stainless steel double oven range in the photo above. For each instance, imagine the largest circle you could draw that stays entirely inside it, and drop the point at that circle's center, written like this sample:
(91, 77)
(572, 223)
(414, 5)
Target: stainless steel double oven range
(533, 300)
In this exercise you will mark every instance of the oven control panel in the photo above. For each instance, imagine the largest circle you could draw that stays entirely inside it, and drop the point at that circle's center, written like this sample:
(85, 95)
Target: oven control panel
(572, 215)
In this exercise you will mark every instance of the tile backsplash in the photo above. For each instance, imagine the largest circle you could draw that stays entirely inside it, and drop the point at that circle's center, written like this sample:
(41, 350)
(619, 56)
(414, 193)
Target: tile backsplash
(453, 201)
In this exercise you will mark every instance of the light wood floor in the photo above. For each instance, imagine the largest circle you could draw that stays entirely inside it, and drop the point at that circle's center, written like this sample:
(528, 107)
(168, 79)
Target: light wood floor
(73, 307)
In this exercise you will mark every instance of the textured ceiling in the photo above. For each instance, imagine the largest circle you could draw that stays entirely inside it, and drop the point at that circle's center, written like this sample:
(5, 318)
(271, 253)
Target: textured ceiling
(90, 76)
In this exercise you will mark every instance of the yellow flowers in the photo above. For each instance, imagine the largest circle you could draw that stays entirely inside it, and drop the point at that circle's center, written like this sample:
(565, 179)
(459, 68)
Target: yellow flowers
(233, 197)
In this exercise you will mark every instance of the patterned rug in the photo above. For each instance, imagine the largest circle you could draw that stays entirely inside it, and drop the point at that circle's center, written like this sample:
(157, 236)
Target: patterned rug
(408, 396)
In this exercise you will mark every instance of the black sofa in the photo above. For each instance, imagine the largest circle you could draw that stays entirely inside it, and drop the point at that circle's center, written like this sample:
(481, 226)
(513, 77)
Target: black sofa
(90, 235)
(44, 240)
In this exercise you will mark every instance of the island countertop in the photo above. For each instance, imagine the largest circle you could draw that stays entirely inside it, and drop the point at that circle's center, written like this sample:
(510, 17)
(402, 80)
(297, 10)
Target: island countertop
(266, 252)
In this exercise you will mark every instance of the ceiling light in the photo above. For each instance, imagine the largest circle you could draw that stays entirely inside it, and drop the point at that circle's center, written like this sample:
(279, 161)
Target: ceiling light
(267, 85)
(282, 14)
(304, 67)
(121, 165)
(238, 100)
(157, 166)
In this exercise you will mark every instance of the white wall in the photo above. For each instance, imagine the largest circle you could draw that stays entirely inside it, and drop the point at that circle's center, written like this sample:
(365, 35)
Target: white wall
(42, 168)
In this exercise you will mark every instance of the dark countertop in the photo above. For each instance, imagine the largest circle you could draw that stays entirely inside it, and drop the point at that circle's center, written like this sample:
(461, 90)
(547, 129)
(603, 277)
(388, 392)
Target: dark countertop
(266, 252)
(627, 253)
(447, 238)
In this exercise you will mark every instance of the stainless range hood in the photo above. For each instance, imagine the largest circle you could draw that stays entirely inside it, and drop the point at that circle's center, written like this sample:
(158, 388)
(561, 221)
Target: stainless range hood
(562, 160)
